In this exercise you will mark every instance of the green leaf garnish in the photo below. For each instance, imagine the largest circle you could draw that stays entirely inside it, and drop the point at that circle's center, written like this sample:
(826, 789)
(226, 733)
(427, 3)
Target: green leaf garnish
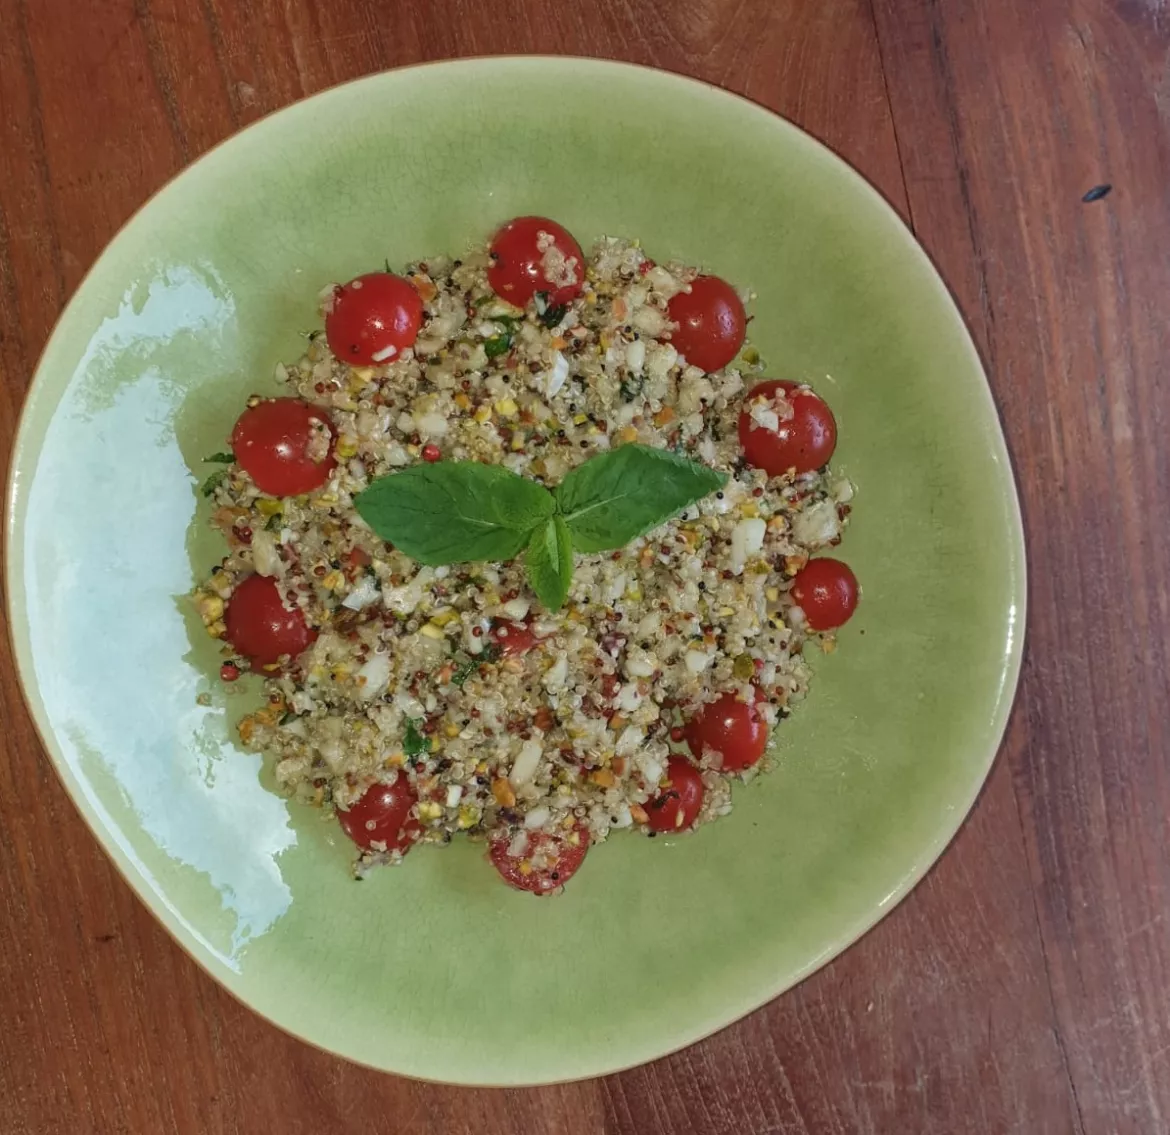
(454, 512)
(220, 458)
(413, 742)
(620, 495)
(549, 559)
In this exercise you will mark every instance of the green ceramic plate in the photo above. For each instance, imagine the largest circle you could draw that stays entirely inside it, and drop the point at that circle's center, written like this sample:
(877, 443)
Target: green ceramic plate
(436, 970)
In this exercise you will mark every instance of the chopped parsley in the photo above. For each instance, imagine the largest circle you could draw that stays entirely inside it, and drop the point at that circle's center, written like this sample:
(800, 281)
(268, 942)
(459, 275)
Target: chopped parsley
(632, 387)
(498, 344)
(552, 315)
(213, 482)
(413, 743)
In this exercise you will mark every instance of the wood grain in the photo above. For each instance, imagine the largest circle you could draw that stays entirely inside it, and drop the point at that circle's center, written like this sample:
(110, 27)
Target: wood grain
(1025, 985)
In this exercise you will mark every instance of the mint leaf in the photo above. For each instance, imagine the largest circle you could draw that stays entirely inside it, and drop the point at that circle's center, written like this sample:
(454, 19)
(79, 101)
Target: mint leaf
(549, 560)
(220, 458)
(624, 493)
(454, 512)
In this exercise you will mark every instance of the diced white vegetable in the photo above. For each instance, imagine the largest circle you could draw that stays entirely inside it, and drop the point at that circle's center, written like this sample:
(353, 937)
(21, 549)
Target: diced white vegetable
(640, 665)
(364, 593)
(432, 425)
(557, 375)
(765, 418)
(649, 320)
(662, 282)
(747, 538)
(630, 740)
(537, 818)
(652, 769)
(554, 680)
(264, 557)
(660, 357)
(373, 676)
(516, 609)
(526, 763)
(697, 661)
(817, 525)
(454, 795)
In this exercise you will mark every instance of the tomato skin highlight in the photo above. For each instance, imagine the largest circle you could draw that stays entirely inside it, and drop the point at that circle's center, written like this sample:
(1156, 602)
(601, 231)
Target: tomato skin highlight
(730, 727)
(383, 815)
(568, 857)
(677, 806)
(373, 319)
(518, 269)
(827, 591)
(711, 323)
(260, 627)
(803, 443)
(272, 442)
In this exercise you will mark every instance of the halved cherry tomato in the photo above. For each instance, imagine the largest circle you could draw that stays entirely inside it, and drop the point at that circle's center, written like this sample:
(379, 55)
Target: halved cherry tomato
(676, 806)
(382, 815)
(260, 627)
(373, 319)
(711, 323)
(285, 446)
(534, 254)
(803, 442)
(513, 639)
(731, 727)
(826, 590)
(547, 862)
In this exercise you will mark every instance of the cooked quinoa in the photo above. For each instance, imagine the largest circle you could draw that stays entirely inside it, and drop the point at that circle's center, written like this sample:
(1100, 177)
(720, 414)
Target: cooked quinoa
(410, 675)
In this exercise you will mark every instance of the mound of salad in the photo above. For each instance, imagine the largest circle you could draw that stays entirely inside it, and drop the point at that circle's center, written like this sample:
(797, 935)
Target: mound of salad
(531, 549)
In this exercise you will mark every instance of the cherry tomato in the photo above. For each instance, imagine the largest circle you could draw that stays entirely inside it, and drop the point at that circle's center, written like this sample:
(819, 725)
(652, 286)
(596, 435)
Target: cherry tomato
(285, 446)
(558, 860)
(534, 254)
(826, 591)
(731, 727)
(803, 442)
(711, 323)
(513, 639)
(677, 805)
(373, 319)
(261, 627)
(382, 815)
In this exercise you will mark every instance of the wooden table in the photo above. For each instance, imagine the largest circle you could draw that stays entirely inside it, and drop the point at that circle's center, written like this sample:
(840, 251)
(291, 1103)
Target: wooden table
(1025, 985)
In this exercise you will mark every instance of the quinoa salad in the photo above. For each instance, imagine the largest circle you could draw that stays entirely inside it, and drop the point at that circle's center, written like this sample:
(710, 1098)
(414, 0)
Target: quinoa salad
(656, 517)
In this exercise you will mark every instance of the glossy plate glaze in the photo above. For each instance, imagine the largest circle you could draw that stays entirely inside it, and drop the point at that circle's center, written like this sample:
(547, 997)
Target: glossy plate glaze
(435, 969)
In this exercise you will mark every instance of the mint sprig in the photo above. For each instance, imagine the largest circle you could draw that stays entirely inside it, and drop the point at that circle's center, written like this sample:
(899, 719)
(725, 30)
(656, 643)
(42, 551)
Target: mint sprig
(453, 512)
